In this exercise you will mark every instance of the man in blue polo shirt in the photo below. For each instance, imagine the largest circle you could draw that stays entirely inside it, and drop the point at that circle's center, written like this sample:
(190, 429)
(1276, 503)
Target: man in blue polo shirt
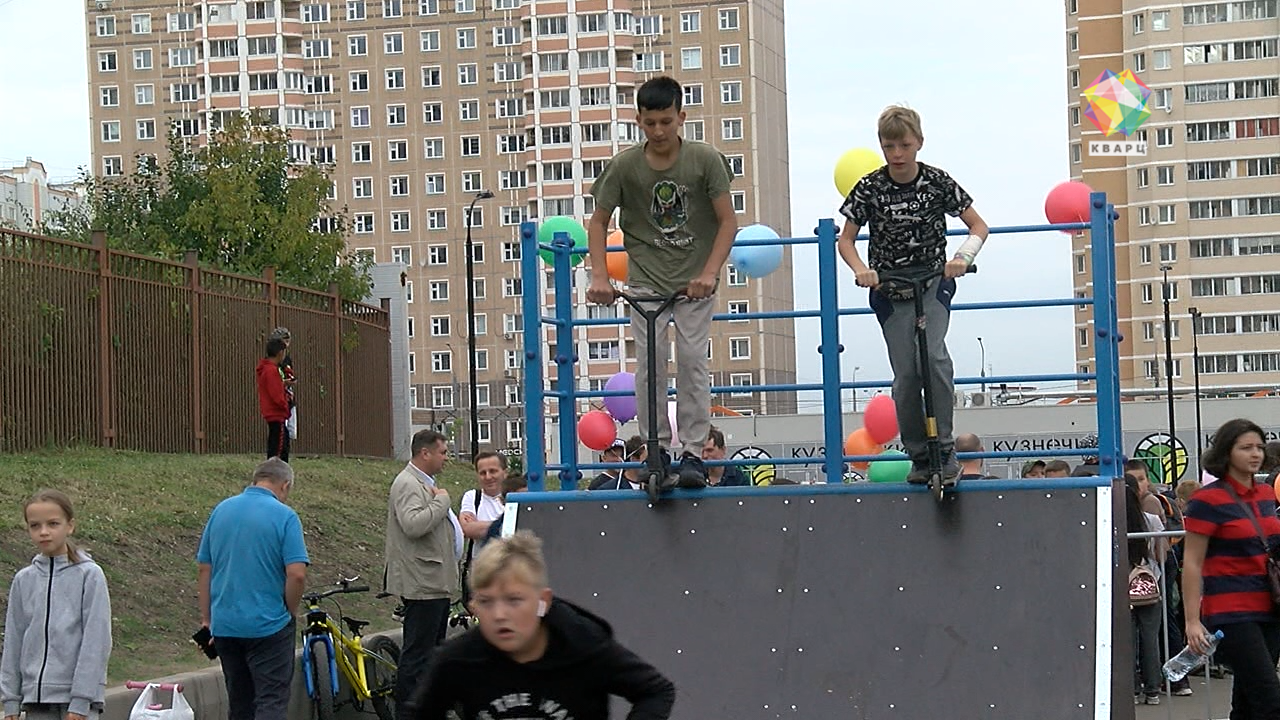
(252, 569)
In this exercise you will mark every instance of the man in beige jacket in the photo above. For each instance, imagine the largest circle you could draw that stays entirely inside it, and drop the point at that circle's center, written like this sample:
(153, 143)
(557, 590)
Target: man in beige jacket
(424, 542)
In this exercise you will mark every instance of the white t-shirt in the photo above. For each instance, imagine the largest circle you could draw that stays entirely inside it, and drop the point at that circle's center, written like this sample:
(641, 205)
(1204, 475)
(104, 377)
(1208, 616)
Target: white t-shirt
(490, 508)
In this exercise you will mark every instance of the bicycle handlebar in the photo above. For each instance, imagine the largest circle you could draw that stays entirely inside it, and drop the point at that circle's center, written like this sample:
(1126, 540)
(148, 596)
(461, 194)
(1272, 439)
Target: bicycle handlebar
(313, 597)
(916, 276)
(135, 685)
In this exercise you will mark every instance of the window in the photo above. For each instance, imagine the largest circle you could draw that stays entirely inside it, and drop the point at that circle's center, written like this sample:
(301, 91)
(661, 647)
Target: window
(595, 132)
(362, 223)
(602, 350)
(738, 307)
(397, 150)
(146, 129)
(1159, 20)
(356, 10)
(441, 361)
(1139, 23)
(1143, 177)
(731, 91)
(437, 219)
(316, 49)
(361, 152)
(434, 184)
(695, 130)
(1209, 131)
(142, 59)
(1167, 214)
(470, 145)
(736, 278)
(431, 76)
(1080, 264)
(1144, 254)
(360, 116)
(730, 55)
(1076, 156)
(1082, 337)
(468, 74)
(392, 8)
(509, 35)
(513, 324)
(107, 61)
(1164, 175)
(362, 187)
(729, 18)
(464, 6)
(731, 129)
(1163, 98)
(515, 430)
(398, 185)
(648, 25)
(740, 348)
(112, 166)
(111, 131)
(109, 96)
(466, 38)
(395, 78)
(557, 25)
(1164, 137)
(1073, 41)
(440, 325)
(693, 94)
(1075, 116)
(399, 221)
(141, 23)
(475, 216)
(508, 71)
(393, 43)
(397, 115)
(648, 62)
(428, 7)
(477, 256)
(691, 21)
(359, 80)
(738, 199)
(316, 13)
(510, 252)
(182, 21)
(429, 40)
(593, 60)
(442, 396)
(1162, 59)
(1140, 62)
(468, 110)
(1210, 209)
(1146, 293)
(691, 58)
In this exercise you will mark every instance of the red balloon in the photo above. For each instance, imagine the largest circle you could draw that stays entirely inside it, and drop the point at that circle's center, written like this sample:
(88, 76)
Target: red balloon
(597, 430)
(881, 419)
(1068, 202)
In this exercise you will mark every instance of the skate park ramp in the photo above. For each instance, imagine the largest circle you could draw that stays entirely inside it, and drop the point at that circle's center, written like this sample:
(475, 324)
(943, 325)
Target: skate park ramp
(856, 601)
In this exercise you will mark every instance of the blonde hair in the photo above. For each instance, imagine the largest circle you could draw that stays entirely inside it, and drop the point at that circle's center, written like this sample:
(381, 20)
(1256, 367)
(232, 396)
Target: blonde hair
(1187, 488)
(896, 122)
(518, 556)
(59, 498)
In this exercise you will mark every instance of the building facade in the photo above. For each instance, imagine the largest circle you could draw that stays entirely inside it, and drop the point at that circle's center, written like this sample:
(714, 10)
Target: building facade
(416, 106)
(26, 195)
(1202, 209)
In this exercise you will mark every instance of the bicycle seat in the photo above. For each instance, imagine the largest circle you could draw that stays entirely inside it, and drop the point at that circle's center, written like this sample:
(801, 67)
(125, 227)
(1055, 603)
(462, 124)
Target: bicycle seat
(354, 625)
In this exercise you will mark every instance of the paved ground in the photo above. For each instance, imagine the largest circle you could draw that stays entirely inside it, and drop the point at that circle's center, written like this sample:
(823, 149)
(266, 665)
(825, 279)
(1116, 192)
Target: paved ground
(1212, 702)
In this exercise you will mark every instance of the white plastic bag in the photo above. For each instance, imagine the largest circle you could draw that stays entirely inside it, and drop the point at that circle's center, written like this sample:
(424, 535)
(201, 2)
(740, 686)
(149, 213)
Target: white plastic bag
(146, 707)
(292, 423)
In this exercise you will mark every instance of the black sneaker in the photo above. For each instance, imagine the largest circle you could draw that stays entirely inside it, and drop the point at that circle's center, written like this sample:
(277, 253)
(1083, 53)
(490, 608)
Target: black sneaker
(919, 474)
(693, 474)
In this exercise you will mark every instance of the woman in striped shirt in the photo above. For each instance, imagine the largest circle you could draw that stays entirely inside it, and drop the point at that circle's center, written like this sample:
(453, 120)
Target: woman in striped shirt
(1231, 526)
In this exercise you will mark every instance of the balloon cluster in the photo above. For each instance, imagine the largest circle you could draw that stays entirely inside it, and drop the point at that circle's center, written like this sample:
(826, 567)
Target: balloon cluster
(597, 429)
(879, 426)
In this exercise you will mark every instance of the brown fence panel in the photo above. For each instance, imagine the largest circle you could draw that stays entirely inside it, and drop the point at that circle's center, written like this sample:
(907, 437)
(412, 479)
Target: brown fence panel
(309, 317)
(141, 353)
(151, 349)
(49, 384)
(366, 369)
(235, 317)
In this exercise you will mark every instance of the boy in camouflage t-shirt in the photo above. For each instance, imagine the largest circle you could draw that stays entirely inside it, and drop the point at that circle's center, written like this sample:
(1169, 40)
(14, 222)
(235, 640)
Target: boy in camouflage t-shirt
(678, 227)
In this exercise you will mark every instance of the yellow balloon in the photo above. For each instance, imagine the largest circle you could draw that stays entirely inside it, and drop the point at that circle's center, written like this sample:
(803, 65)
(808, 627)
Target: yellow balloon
(853, 165)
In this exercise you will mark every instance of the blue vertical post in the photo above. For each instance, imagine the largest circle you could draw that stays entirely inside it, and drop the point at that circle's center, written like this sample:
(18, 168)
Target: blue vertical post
(1106, 335)
(535, 463)
(566, 357)
(828, 309)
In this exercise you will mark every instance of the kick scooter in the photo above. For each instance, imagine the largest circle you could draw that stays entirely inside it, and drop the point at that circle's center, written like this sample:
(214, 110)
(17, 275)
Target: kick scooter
(919, 282)
(656, 474)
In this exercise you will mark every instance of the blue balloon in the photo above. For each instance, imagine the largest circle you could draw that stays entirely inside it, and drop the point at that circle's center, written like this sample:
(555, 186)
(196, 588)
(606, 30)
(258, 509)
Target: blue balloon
(756, 261)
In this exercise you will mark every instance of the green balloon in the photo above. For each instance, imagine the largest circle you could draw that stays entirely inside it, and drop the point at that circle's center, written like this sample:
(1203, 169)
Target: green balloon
(890, 471)
(562, 224)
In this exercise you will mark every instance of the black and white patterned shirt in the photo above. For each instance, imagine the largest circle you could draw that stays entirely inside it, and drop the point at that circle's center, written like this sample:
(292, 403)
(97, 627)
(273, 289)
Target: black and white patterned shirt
(907, 222)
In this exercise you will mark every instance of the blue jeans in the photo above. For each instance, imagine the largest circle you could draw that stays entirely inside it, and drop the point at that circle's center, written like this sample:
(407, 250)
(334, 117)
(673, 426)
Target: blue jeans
(258, 673)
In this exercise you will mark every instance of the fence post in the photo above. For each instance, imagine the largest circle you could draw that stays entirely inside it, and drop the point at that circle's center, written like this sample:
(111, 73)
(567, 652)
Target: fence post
(196, 383)
(340, 424)
(105, 394)
(273, 298)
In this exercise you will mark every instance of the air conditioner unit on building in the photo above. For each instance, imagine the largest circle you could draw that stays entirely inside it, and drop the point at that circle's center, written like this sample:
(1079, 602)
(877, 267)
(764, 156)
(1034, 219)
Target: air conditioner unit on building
(979, 399)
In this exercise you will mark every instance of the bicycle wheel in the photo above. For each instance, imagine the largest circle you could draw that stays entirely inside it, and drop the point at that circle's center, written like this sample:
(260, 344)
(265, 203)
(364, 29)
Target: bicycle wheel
(322, 679)
(380, 672)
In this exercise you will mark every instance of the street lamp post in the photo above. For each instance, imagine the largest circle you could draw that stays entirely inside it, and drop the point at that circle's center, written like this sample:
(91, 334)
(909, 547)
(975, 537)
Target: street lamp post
(471, 326)
(1168, 349)
(856, 368)
(1195, 357)
(982, 369)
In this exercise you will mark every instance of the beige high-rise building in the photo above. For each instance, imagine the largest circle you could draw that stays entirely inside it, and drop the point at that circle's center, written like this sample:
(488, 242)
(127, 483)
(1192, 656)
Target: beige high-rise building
(418, 105)
(1204, 204)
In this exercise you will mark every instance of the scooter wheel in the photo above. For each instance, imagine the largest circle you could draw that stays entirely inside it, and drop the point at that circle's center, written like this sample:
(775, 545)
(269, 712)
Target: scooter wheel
(939, 490)
(653, 486)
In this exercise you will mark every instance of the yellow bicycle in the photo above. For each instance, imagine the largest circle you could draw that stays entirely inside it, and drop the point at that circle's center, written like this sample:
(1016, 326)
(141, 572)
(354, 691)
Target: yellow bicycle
(370, 668)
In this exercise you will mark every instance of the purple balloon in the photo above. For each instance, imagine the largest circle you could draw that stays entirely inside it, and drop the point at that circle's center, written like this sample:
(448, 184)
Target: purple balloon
(621, 407)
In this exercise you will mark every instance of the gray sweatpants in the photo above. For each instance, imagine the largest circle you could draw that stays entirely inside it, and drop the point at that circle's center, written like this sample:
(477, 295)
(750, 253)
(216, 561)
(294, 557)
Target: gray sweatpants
(693, 389)
(898, 323)
(54, 711)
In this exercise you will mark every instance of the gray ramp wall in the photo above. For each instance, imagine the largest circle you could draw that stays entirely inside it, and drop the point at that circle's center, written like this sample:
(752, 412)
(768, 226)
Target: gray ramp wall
(853, 601)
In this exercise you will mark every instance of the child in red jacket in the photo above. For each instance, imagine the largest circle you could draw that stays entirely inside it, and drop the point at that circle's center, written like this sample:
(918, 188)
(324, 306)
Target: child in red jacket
(272, 400)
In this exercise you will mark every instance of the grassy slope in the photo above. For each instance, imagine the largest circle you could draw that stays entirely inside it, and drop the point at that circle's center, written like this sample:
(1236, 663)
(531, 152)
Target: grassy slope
(141, 516)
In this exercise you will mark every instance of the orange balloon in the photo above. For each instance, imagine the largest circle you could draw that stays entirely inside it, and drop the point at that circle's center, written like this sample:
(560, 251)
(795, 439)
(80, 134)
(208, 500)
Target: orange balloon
(859, 442)
(616, 261)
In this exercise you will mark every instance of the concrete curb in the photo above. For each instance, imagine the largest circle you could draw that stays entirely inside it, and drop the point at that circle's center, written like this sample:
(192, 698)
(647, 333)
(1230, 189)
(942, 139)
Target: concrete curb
(207, 694)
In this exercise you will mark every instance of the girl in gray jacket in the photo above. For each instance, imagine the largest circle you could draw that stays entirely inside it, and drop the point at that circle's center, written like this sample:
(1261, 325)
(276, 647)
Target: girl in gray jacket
(58, 626)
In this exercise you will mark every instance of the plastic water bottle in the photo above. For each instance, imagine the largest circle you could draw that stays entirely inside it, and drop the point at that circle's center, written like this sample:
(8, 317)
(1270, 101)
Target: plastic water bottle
(1180, 665)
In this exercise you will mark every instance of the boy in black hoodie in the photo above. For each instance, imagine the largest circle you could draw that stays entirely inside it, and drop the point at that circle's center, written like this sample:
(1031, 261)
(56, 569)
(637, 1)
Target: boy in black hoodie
(534, 656)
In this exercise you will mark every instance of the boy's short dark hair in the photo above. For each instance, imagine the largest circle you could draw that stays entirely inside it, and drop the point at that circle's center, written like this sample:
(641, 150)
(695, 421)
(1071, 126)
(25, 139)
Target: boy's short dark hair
(502, 459)
(1028, 467)
(716, 436)
(424, 439)
(275, 347)
(660, 93)
(634, 444)
(1057, 466)
(514, 482)
(1135, 464)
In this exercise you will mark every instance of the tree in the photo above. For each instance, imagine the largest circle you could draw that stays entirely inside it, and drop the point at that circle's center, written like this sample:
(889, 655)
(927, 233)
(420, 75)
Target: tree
(239, 202)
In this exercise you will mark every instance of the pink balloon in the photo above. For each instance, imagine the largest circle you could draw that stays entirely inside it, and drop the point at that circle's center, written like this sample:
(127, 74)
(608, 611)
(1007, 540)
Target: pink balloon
(1068, 202)
(881, 419)
(597, 430)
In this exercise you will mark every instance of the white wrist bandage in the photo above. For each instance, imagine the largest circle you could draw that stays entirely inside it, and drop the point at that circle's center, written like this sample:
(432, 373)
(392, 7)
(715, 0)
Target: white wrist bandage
(970, 247)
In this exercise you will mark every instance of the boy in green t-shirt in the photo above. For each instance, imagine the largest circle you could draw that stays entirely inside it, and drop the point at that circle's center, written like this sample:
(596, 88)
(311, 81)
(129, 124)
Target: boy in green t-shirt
(678, 226)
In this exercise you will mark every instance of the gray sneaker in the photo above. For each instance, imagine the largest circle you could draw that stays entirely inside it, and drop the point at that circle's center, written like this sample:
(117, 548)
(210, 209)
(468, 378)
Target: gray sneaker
(1153, 699)
(919, 474)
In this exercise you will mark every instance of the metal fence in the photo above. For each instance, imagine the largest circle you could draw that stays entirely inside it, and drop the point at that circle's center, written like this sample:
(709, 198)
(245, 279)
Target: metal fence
(100, 347)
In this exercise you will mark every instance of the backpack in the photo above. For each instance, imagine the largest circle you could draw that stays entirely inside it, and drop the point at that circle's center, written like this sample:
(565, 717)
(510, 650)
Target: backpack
(1143, 588)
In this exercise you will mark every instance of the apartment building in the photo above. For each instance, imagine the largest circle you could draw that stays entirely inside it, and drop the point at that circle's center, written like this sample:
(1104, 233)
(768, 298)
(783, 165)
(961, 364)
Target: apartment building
(26, 195)
(418, 105)
(1202, 208)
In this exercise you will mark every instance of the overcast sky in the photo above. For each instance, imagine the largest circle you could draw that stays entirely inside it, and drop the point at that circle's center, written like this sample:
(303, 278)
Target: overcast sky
(989, 86)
